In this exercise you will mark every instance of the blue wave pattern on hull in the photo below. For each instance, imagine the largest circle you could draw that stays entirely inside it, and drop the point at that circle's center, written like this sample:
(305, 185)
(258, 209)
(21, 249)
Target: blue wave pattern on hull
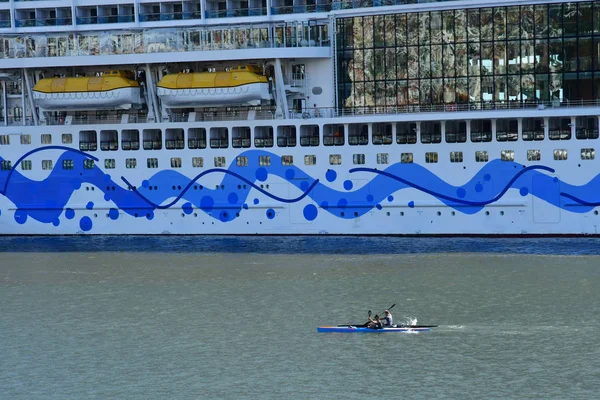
(45, 200)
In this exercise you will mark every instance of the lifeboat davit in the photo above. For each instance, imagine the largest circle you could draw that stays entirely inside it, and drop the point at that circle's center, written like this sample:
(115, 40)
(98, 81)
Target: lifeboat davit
(243, 85)
(112, 90)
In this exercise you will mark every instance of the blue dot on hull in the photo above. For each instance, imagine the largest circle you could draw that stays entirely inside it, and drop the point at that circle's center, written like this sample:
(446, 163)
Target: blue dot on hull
(310, 212)
(70, 213)
(85, 224)
(331, 175)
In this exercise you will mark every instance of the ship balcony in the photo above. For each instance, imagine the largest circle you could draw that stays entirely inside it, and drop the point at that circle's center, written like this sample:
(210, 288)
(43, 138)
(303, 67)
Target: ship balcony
(350, 4)
(23, 23)
(300, 9)
(236, 12)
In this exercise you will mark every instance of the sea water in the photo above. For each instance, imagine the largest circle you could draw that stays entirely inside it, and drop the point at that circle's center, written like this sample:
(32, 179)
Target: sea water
(235, 318)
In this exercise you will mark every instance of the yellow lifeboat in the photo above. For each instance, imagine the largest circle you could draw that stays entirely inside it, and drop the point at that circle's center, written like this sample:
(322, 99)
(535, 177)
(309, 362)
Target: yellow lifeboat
(114, 89)
(242, 85)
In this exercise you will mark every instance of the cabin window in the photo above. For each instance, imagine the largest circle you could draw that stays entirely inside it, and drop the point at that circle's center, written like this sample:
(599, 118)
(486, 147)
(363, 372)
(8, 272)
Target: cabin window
(333, 135)
(287, 160)
(220, 162)
(109, 140)
(68, 164)
(588, 154)
(26, 165)
(406, 158)
(481, 131)
(456, 131)
(241, 137)
(309, 135)
(4, 139)
(25, 139)
(507, 155)
(310, 160)
(241, 161)
(358, 159)
(152, 139)
(559, 129)
(406, 133)
(534, 155)
(88, 164)
(383, 158)
(197, 138)
(176, 162)
(130, 163)
(431, 132)
(560, 154)
(263, 136)
(110, 163)
(47, 164)
(197, 162)
(507, 130)
(6, 165)
(382, 133)
(533, 129)
(358, 134)
(88, 141)
(67, 138)
(219, 138)
(152, 162)
(587, 128)
(174, 139)
(335, 159)
(46, 138)
(130, 139)
(431, 157)
(286, 136)
(481, 156)
(456, 156)
(264, 161)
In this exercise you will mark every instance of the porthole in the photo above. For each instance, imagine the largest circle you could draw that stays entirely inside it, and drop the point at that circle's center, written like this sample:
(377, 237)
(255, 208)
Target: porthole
(439, 213)
(453, 213)
(182, 215)
(596, 212)
(355, 213)
(388, 213)
(501, 212)
(95, 215)
(487, 213)
(402, 213)
(195, 215)
(342, 214)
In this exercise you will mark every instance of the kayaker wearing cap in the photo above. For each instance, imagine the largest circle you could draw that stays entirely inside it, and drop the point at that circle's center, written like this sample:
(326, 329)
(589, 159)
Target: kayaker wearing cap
(387, 318)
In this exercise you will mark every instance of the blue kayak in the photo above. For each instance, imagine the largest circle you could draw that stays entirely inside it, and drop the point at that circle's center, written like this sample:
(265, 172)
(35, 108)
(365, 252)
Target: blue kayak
(362, 329)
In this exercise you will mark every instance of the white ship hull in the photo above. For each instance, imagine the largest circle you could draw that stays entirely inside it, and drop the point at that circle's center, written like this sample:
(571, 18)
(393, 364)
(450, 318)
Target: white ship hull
(250, 94)
(123, 98)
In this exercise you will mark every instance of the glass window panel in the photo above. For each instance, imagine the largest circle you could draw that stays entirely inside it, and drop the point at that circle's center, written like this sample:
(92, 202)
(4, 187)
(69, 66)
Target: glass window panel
(425, 91)
(436, 61)
(401, 63)
(437, 91)
(585, 54)
(369, 94)
(527, 56)
(556, 55)
(358, 66)
(413, 62)
(596, 18)
(379, 31)
(413, 92)
(390, 30)
(541, 56)
(357, 28)
(380, 94)
(402, 93)
(474, 59)
(597, 85)
(462, 90)
(513, 52)
(570, 58)
(449, 91)
(390, 93)
(473, 24)
(514, 88)
(413, 28)
(527, 22)
(359, 94)
(556, 87)
(368, 65)
(586, 86)
(555, 17)
(500, 23)
(570, 19)
(541, 21)
(487, 89)
(596, 54)
(436, 27)
(585, 18)
(401, 30)
(500, 58)
(379, 64)
(390, 62)
(541, 88)
(570, 87)
(424, 28)
(475, 90)
(448, 60)
(461, 59)
(368, 31)
(460, 25)
(487, 24)
(448, 26)
(527, 87)
(500, 94)
(425, 62)
(513, 21)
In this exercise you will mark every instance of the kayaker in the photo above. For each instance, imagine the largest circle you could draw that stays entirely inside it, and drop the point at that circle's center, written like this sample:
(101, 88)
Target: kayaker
(374, 323)
(387, 318)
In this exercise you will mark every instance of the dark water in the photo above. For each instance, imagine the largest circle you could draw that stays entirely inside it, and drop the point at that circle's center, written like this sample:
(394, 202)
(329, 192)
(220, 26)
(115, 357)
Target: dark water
(236, 318)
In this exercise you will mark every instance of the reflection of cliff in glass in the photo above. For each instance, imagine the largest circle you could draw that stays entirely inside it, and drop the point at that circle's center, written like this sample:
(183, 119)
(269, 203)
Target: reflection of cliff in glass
(542, 53)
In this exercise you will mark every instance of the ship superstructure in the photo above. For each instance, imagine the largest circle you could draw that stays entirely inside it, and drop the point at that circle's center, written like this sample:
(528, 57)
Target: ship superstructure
(299, 117)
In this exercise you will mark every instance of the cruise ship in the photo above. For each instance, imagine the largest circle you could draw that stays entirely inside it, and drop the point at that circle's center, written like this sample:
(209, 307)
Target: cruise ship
(285, 117)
